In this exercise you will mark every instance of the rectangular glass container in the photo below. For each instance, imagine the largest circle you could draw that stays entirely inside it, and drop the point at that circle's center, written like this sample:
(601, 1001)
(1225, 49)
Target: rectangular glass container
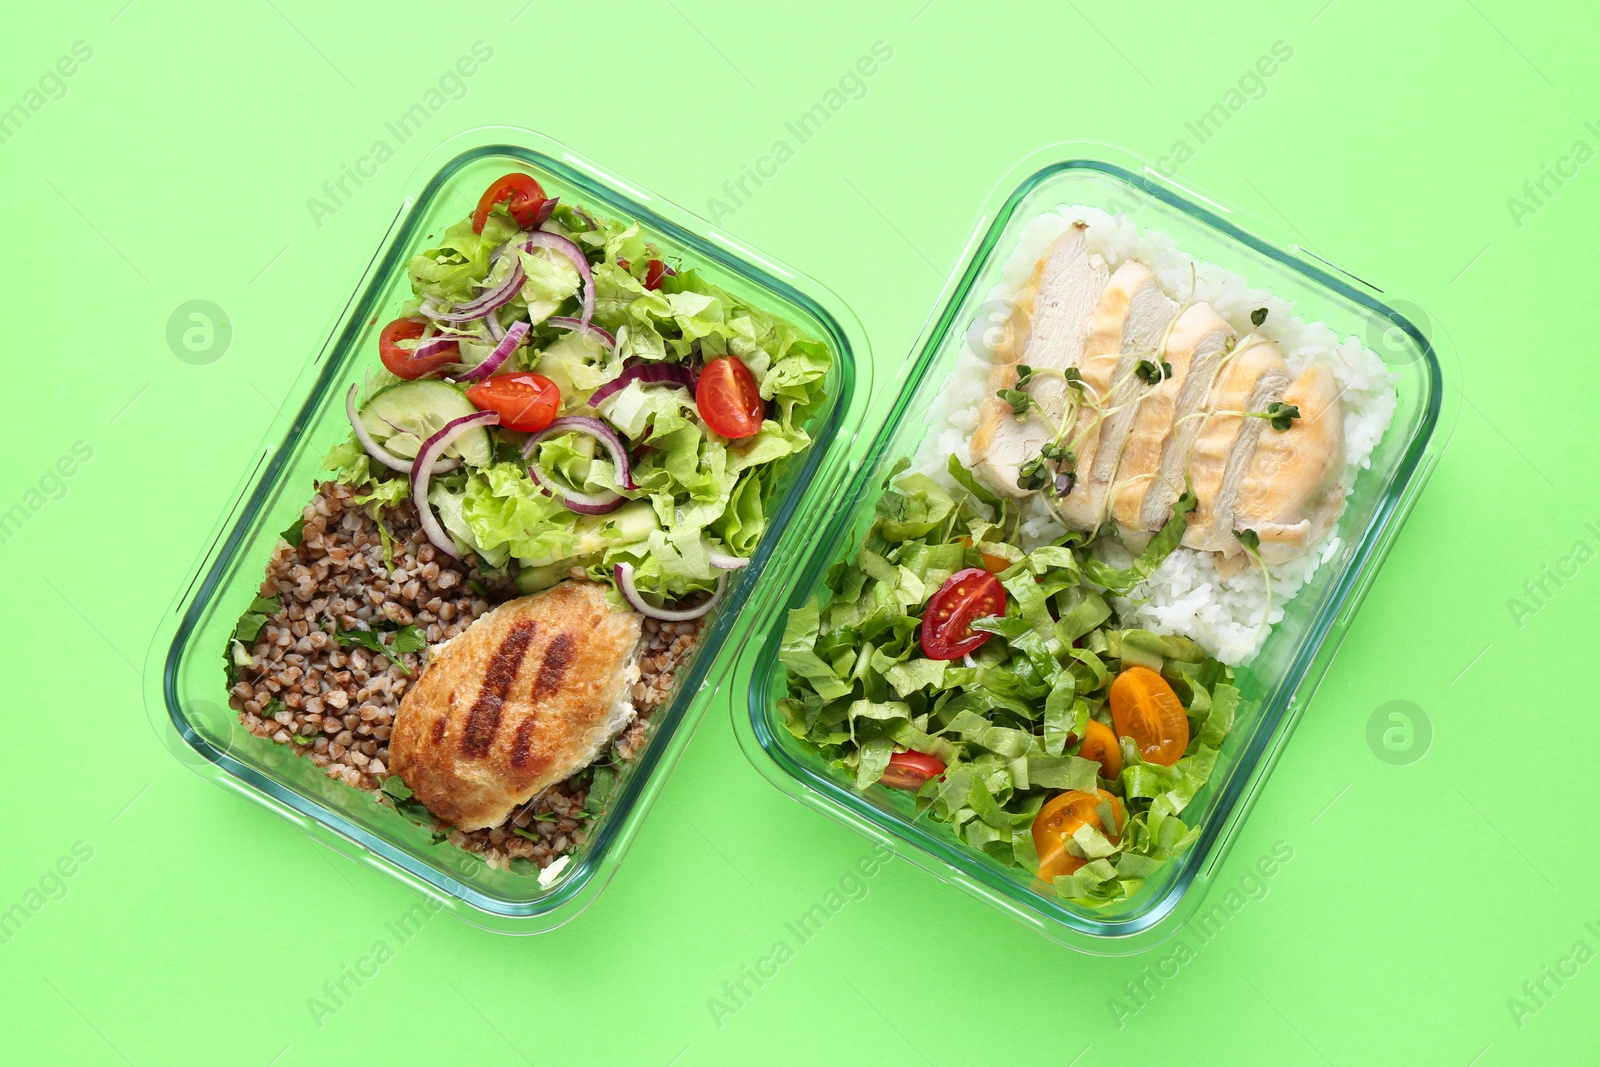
(186, 695)
(1276, 685)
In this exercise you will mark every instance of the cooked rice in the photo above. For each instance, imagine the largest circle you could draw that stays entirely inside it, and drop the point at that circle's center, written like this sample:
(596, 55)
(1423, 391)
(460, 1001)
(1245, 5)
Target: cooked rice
(343, 701)
(1186, 595)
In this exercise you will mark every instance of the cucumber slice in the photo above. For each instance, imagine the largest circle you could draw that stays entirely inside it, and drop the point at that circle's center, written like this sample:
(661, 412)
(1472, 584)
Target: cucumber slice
(406, 414)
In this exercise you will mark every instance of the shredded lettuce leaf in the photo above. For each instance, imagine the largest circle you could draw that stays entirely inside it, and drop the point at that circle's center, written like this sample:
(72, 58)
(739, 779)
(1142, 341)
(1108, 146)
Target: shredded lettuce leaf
(1008, 719)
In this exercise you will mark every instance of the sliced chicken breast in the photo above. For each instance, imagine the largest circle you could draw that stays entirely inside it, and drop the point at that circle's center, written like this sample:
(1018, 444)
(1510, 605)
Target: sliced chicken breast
(1201, 332)
(1253, 377)
(1292, 493)
(1128, 326)
(1049, 329)
(1210, 354)
(522, 699)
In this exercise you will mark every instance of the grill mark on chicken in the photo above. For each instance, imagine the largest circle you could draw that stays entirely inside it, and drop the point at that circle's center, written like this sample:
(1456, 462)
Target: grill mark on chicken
(520, 754)
(483, 721)
(557, 658)
(552, 669)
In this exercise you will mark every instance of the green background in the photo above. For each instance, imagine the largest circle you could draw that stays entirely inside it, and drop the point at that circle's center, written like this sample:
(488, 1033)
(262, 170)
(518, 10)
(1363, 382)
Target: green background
(176, 164)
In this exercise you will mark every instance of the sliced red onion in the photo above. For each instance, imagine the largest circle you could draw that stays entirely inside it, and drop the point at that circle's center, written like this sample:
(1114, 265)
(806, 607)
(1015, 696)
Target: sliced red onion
(624, 576)
(432, 345)
(425, 466)
(579, 260)
(586, 217)
(484, 302)
(594, 428)
(599, 333)
(377, 451)
(644, 374)
(724, 562)
(581, 503)
(501, 353)
(492, 321)
(546, 209)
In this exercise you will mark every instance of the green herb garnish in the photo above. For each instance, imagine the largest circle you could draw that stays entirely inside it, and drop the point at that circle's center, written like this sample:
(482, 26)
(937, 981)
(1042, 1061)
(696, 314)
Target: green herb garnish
(1033, 475)
(1282, 416)
(1148, 372)
(1020, 401)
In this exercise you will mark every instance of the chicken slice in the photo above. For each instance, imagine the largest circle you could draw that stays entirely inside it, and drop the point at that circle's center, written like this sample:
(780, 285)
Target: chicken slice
(1198, 336)
(1048, 330)
(1210, 354)
(522, 699)
(1253, 376)
(1293, 491)
(1128, 326)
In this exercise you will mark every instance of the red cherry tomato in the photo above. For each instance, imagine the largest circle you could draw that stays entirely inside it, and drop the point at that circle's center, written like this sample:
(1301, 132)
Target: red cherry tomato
(728, 399)
(654, 271)
(523, 195)
(527, 403)
(947, 631)
(403, 362)
(908, 770)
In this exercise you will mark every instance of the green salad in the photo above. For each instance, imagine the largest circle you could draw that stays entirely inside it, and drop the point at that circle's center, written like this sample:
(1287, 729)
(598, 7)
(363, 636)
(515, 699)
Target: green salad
(580, 404)
(996, 685)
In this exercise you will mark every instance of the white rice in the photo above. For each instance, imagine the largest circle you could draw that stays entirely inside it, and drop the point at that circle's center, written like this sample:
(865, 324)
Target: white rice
(1186, 595)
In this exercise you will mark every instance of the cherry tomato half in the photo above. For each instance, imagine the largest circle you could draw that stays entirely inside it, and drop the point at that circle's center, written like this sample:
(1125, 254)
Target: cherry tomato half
(947, 624)
(1060, 818)
(654, 271)
(908, 770)
(1144, 707)
(403, 362)
(728, 399)
(524, 197)
(526, 402)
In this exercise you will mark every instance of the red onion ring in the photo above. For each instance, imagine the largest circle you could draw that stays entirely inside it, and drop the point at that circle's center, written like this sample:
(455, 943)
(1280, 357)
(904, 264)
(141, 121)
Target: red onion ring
(581, 503)
(546, 209)
(423, 469)
(645, 374)
(377, 451)
(579, 260)
(624, 575)
(501, 353)
(599, 333)
(486, 302)
(492, 321)
(594, 428)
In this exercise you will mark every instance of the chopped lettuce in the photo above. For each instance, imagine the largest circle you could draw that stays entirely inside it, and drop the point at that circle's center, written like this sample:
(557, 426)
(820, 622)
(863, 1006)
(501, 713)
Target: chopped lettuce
(706, 492)
(1009, 718)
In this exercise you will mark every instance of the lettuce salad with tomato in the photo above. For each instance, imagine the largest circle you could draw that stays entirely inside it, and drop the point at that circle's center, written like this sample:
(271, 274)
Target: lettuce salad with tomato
(555, 395)
(996, 685)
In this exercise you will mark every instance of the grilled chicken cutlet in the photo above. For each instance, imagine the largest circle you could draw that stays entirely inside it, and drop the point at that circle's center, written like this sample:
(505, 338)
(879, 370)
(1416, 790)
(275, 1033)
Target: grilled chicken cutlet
(522, 699)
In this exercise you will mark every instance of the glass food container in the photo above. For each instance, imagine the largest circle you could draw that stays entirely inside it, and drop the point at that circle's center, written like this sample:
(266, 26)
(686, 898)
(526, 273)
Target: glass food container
(186, 693)
(1276, 685)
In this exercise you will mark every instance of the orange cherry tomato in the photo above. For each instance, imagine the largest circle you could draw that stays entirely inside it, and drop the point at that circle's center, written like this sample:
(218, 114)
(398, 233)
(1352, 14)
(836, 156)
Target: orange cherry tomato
(526, 402)
(992, 564)
(524, 198)
(908, 770)
(1144, 707)
(728, 399)
(1100, 745)
(1060, 818)
(967, 595)
(402, 361)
